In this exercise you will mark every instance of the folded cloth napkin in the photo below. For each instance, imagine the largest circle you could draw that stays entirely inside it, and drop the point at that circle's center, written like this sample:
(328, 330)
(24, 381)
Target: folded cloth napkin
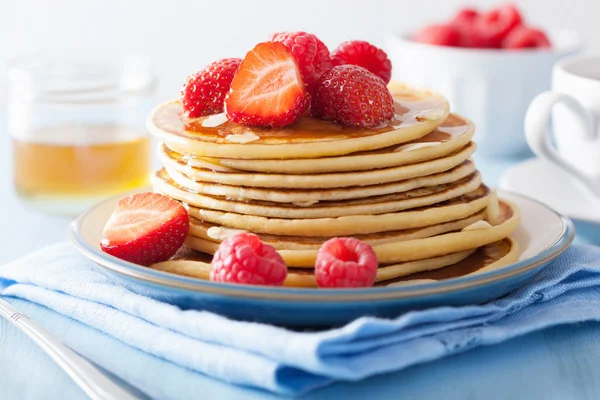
(290, 362)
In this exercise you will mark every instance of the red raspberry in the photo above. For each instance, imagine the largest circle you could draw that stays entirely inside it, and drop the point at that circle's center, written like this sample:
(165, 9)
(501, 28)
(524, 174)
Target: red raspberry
(439, 34)
(243, 258)
(524, 37)
(363, 54)
(465, 21)
(466, 16)
(351, 95)
(310, 53)
(496, 24)
(204, 92)
(471, 37)
(345, 262)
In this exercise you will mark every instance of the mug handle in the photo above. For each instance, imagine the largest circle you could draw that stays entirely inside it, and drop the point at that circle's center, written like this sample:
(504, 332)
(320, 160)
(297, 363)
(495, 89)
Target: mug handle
(538, 137)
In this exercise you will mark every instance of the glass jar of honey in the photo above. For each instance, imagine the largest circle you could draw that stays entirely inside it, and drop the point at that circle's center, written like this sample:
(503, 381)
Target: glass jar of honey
(77, 124)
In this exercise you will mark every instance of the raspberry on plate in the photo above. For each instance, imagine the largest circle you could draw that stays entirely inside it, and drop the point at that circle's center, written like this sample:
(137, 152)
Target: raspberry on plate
(345, 263)
(243, 258)
(267, 89)
(204, 92)
(351, 95)
(310, 53)
(145, 228)
(496, 24)
(523, 37)
(363, 54)
(439, 34)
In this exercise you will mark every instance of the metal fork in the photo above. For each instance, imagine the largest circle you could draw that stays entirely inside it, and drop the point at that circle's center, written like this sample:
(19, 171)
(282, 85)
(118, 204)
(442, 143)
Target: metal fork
(90, 379)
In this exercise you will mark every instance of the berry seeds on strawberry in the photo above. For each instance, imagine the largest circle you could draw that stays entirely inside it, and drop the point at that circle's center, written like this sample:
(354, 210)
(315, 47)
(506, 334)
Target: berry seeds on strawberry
(345, 263)
(145, 228)
(243, 258)
(267, 90)
(350, 95)
(364, 54)
(204, 92)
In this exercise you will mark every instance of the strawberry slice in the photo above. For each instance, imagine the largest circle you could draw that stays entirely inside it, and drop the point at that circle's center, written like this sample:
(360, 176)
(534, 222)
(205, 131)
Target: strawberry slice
(145, 228)
(267, 89)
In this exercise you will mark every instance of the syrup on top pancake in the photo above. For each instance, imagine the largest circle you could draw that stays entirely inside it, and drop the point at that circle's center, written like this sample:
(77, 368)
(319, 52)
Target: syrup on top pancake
(418, 112)
(454, 133)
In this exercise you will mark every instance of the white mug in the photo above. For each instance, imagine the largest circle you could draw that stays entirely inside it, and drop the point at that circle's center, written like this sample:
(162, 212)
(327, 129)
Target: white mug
(573, 105)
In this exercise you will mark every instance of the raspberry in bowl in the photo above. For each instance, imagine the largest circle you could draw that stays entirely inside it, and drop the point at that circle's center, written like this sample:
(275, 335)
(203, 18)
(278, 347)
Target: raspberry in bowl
(490, 64)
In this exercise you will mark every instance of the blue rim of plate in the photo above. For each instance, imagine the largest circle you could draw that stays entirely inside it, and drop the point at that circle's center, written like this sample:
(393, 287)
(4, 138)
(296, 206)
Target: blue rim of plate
(173, 281)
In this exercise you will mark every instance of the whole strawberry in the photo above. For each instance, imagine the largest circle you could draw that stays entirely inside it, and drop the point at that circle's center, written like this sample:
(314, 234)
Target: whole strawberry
(364, 54)
(351, 95)
(310, 53)
(204, 92)
(243, 258)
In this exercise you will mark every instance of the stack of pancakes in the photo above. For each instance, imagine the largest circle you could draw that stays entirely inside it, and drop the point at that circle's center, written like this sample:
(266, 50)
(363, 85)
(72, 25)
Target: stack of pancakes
(408, 188)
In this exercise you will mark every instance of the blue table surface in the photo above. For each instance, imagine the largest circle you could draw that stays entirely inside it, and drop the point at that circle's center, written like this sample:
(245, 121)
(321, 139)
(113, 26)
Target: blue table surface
(557, 363)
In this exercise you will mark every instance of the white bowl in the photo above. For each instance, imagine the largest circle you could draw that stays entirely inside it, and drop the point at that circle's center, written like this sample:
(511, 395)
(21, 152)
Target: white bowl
(492, 87)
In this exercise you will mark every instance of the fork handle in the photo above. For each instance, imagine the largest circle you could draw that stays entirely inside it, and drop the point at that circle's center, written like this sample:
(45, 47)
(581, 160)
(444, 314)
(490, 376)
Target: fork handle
(93, 382)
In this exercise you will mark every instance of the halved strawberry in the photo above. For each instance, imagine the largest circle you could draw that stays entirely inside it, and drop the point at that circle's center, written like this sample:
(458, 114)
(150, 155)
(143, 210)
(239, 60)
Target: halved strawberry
(145, 228)
(267, 89)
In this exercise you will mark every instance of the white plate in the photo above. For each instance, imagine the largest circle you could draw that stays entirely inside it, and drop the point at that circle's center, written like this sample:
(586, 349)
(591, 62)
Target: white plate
(542, 235)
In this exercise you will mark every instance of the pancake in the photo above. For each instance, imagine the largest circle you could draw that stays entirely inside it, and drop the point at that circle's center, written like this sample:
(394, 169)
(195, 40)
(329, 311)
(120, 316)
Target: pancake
(454, 133)
(190, 266)
(390, 203)
(494, 255)
(460, 207)
(418, 112)
(318, 181)
(402, 251)
(486, 258)
(215, 233)
(308, 197)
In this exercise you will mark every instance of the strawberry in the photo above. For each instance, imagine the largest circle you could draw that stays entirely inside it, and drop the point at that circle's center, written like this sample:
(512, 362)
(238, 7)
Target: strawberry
(351, 95)
(145, 228)
(204, 92)
(525, 37)
(496, 24)
(310, 53)
(267, 89)
(439, 34)
(364, 54)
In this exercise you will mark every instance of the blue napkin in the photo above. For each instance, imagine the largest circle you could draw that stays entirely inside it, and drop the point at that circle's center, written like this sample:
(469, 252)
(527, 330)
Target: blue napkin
(289, 362)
